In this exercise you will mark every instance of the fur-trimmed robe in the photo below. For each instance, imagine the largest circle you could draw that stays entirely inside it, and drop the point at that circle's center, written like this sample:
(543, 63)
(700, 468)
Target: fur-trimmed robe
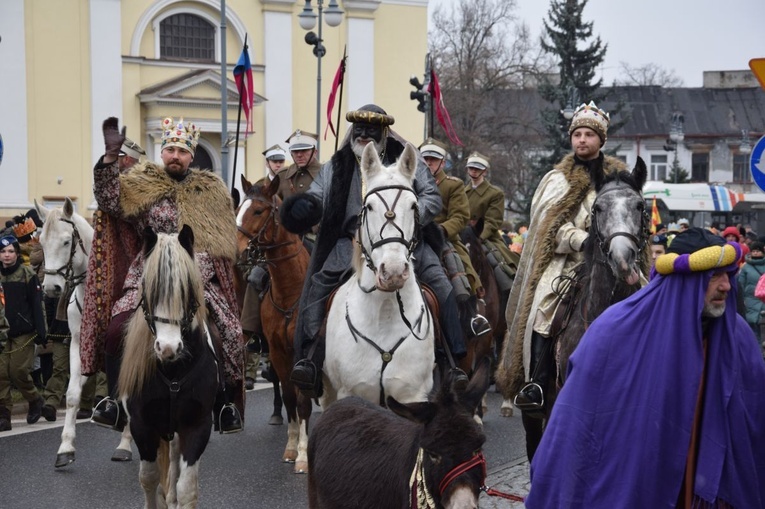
(560, 216)
(147, 195)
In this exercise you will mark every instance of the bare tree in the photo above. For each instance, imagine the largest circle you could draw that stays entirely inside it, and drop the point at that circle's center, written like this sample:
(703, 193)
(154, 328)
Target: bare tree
(480, 49)
(647, 75)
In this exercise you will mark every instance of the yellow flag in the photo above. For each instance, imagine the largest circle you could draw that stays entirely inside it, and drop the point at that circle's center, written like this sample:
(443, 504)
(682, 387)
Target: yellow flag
(655, 217)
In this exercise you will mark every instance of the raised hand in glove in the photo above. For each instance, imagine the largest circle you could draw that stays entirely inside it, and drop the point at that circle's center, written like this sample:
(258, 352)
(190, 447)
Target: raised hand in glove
(113, 139)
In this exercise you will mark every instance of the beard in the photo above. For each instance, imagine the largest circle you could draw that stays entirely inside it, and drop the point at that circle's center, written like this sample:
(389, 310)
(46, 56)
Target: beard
(358, 148)
(713, 311)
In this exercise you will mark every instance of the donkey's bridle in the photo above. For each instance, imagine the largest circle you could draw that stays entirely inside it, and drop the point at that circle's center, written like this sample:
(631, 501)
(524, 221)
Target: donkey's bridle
(390, 216)
(66, 271)
(605, 243)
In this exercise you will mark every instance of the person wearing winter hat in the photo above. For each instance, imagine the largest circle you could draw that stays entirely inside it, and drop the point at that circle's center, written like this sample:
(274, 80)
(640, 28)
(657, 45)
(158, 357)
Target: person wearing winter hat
(560, 218)
(677, 404)
(26, 320)
(731, 234)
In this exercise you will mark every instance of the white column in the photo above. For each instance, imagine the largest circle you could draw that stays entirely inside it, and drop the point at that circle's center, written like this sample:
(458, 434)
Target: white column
(14, 192)
(105, 69)
(361, 58)
(277, 52)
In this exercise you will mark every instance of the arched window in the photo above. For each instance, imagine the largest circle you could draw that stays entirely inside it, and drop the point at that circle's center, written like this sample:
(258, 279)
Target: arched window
(187, 36)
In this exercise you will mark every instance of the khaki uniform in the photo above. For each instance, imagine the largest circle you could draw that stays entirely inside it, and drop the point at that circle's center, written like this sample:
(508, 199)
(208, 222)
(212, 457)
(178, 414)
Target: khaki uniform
(453, 218)
(488, 202)
(296, 181)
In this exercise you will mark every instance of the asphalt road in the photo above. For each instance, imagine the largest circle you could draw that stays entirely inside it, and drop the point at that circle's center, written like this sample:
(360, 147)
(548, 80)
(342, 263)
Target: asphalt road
(243, 470)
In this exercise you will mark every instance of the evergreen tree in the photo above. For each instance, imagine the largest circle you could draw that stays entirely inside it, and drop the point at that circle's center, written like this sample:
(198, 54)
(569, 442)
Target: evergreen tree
(679, 171)
(566, 39)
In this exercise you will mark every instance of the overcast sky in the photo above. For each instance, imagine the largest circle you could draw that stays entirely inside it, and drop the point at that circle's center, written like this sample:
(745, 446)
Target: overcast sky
(686, 36)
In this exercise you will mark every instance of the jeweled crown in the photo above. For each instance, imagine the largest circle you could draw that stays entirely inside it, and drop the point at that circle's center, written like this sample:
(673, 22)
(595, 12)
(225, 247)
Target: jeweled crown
(178, 134)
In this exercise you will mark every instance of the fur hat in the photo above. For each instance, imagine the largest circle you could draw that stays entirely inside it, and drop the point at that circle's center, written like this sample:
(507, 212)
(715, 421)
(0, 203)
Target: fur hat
(185, 136)
(131, 149)
(301, 140)
(589, 115)
(478, 160)
(433, 148)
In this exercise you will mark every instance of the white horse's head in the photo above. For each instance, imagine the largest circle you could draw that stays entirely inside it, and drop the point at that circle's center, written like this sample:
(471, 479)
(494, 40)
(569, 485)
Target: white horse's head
(66, 239)
(389, 227)
(172, 299)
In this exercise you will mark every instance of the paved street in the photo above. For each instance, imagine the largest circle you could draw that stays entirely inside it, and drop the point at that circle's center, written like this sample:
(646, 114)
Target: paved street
(237, 471)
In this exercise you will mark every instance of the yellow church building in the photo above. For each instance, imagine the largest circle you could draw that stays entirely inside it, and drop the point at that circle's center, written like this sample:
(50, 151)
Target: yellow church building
(66, 65)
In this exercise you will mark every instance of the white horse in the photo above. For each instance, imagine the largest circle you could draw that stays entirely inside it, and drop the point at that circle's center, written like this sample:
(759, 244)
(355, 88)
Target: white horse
(66, 240)
(380, 334)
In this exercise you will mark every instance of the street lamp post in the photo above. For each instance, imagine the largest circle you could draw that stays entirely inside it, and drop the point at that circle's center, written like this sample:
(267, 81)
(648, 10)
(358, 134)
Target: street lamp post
(676, 136)
(334, 16)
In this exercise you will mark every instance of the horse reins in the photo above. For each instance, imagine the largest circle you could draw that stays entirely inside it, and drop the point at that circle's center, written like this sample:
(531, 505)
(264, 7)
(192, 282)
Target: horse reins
(66, 271)
(390, 216)
(258, 244)
(605, 243)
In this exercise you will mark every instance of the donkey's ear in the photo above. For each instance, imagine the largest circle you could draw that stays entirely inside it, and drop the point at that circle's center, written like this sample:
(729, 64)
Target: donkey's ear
(640, 172)
(479, 384)
(186, 238)
(42, 210)
(421, 412)
(407, 163)
(149, 240)
(370, 160)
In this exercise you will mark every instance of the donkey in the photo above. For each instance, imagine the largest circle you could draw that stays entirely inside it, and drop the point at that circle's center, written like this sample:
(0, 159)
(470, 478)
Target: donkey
(361, 455)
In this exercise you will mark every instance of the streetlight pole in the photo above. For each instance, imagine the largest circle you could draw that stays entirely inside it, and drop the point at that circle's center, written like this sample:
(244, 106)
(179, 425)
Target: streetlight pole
(676, 135)
(334, 17)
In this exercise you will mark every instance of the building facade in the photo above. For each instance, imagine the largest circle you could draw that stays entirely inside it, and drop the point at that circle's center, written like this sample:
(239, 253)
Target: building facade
(66, 65)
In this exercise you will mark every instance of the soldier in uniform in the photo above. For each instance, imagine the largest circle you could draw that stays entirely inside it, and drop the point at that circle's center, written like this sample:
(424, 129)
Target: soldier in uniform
(302, 172)
(452, 219)
(487, 202)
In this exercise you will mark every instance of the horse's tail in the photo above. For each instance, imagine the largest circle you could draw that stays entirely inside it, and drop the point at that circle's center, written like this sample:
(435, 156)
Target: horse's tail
(163, 465)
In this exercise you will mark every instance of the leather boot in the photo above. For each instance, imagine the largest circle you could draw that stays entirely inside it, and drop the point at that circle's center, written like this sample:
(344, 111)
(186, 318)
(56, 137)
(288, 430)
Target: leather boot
(110, 414)
(229, 419)
(5, 419)
(307, 377)
(35, 410)
(531, 398)
(49, 412)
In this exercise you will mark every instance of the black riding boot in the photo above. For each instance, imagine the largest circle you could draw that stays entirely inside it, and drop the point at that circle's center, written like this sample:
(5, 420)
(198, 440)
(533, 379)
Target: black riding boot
(109, 412)
(454, 339)
(227, 418)
(531, 398)
(306, 374)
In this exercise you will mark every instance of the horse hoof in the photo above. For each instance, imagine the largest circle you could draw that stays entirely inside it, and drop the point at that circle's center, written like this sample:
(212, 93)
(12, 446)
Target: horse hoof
(122, 455)
(276, 420)
(506, 412)
(63, 459)
(301, 467)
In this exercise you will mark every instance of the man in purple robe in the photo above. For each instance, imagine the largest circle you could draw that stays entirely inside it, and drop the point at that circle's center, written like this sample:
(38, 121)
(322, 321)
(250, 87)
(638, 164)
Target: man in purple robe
(664, 403)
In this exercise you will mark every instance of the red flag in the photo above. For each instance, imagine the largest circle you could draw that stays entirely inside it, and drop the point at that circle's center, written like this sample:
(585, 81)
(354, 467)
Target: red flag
(443, 116)
(336, 84)
(655, 217)
(243, 78)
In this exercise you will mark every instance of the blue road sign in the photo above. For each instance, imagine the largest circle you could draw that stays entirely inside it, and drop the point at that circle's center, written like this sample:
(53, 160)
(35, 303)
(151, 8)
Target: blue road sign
(757, 163)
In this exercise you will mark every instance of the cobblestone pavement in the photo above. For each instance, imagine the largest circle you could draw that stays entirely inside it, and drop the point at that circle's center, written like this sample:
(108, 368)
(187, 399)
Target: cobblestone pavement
(513, 479)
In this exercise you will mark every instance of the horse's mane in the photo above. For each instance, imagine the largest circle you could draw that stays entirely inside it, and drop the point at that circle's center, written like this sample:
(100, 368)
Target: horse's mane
(171, 279)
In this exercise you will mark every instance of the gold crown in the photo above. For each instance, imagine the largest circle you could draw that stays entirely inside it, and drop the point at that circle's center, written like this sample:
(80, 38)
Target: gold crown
(178, 134)
(23, 229)
(589, 115)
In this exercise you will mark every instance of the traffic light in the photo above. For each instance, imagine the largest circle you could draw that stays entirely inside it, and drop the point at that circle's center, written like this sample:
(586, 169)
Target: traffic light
(418, 95)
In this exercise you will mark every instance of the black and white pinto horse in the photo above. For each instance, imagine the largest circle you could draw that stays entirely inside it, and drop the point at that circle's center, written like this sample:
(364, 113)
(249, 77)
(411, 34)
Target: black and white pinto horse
(66, 240)
(362, 455)
(615, 258)
(169, 373)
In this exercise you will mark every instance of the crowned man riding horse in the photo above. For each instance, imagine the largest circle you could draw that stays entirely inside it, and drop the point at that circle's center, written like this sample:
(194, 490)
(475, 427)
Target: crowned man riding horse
(335, 199)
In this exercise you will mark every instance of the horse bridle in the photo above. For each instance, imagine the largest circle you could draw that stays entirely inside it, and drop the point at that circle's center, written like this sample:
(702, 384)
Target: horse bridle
(390, 216)
(66, 271)
(258, 243)
(184, 323)
(605, 243)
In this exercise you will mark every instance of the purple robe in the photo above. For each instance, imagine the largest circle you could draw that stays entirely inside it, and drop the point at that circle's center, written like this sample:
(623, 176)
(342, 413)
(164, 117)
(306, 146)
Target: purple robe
(620, 431)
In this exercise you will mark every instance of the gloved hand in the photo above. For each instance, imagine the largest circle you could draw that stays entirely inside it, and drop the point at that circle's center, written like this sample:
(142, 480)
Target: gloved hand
(113, 138)
(41, 340)
(302, 210)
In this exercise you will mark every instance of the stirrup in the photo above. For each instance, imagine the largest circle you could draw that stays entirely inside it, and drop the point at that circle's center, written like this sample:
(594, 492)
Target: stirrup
(479, 325)
(237, 418)
(100, 407)
(531, 400)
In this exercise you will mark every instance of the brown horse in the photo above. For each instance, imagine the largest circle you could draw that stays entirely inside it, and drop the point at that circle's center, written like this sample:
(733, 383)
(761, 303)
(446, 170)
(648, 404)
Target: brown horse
(283, 252)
